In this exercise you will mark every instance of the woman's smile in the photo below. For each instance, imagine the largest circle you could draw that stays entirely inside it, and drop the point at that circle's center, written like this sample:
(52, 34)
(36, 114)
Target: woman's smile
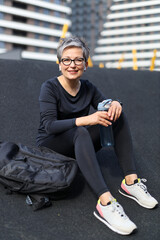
(73, 71)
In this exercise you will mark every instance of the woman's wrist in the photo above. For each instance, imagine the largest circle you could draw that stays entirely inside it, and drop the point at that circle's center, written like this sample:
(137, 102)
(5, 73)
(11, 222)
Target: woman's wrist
(81, 121)
(118, 101)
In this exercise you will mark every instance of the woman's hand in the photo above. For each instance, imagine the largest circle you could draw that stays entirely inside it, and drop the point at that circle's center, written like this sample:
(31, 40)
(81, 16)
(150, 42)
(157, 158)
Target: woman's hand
(99, 117)
(114, 111)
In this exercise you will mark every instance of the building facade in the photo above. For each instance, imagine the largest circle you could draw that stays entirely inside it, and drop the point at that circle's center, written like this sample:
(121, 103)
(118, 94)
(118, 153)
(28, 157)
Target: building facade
(131, 25)
(35, 27)
(88, 18)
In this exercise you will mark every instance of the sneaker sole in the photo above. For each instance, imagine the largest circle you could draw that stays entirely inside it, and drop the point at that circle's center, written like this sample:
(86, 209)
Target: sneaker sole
(96, 214)
(135, 199)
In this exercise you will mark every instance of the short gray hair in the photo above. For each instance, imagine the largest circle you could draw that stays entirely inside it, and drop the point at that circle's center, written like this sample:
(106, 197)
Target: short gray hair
(72, 42)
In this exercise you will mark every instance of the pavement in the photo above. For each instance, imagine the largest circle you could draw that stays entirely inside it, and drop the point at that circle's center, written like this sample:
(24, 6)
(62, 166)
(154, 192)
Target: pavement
(72, 217)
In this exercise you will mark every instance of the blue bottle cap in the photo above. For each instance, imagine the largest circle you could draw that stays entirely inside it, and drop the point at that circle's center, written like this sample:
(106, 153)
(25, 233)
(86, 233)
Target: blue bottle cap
(105, 105)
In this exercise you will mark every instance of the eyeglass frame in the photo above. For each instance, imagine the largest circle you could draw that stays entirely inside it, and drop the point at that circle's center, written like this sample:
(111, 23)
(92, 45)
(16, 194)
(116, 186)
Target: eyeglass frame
(72, 60)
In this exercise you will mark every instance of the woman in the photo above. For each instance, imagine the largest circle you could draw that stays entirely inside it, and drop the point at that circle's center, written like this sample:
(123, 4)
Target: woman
(67, 127)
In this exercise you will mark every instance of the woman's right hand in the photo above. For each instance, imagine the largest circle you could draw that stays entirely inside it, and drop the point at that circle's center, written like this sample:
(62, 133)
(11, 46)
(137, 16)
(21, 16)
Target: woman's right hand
(99, 117)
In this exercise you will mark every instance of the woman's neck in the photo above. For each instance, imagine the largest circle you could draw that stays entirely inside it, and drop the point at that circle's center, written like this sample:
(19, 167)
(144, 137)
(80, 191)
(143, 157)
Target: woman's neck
(71, 86)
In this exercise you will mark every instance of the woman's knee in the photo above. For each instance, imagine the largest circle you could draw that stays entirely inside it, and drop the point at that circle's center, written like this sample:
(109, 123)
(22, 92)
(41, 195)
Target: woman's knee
(81, 132)
(124, 120)
(121, 120)
(89, 134)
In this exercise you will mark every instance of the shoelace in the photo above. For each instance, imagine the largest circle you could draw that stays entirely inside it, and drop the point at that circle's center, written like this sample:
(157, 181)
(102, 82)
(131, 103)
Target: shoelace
(118, 208)
(141, 185)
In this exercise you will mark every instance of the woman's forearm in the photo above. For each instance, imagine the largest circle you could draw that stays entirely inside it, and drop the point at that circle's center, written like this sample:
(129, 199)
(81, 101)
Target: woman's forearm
(82, 121)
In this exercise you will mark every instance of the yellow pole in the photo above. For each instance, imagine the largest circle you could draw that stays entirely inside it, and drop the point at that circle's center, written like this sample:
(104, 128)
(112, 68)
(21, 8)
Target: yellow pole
(120, 61)
(134, 52)
(90, 64)
(101, 65)
(153, 60)
(64, 30)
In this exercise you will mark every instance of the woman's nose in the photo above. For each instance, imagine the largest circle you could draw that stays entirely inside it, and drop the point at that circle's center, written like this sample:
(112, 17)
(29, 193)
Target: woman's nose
(72, 64)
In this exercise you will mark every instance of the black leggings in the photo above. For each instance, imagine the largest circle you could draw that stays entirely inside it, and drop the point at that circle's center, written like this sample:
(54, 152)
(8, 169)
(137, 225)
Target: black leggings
(83, 142)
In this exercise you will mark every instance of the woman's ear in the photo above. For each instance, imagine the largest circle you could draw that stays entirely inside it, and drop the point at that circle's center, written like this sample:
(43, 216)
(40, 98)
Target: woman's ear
(86, 65)
(59, 68)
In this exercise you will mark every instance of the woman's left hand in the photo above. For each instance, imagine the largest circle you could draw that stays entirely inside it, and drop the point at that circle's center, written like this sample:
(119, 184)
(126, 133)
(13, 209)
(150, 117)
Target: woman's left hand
(115, 111)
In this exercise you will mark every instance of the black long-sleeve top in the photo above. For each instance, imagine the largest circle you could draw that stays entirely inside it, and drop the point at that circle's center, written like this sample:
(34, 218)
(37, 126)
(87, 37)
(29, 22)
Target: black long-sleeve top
(59, 109)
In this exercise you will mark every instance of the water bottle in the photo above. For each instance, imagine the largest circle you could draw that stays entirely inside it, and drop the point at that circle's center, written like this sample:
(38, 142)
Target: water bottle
(106, 133)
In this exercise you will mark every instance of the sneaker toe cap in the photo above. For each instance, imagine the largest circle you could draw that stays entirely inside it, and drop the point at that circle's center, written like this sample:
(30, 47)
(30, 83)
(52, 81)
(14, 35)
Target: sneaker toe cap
(127, 227)
(151, 203)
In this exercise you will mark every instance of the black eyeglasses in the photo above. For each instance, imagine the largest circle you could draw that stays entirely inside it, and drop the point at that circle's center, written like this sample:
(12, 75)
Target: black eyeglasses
(68, 61)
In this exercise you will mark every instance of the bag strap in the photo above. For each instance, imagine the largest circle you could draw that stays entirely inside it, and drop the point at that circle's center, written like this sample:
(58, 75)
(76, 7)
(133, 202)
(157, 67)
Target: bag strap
(38, 201)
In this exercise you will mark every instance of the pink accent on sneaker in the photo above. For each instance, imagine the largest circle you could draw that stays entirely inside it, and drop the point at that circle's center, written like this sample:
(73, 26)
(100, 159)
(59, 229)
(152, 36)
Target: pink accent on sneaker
(125, 189)
(99, 210)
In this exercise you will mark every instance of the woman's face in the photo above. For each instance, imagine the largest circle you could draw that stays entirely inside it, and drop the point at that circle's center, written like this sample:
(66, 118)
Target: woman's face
(72, 71)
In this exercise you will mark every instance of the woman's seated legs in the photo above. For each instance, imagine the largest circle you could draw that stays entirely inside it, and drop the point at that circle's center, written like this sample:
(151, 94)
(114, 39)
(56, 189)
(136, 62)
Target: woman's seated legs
(77, 142)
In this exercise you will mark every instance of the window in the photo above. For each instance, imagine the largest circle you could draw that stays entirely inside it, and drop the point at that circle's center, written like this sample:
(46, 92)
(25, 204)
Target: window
(1, 30)
(37, 9)
(19, 33)
(57, 1)
(46, 24)
(37, 22)
(1, 15)
(19, 19)
(46, 50)
(36, 49)
(46, 37)
(58, 27)
(19, 5)
(2, 45)
(37, 36)
(57, 14)
(19, 46)
(46, 11)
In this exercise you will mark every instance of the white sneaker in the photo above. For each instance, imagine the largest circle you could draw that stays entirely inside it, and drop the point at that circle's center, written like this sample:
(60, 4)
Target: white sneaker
(138, 192)
(114, 217)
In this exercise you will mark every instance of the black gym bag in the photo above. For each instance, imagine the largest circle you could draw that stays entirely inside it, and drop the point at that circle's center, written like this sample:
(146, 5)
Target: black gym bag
(37, 172)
